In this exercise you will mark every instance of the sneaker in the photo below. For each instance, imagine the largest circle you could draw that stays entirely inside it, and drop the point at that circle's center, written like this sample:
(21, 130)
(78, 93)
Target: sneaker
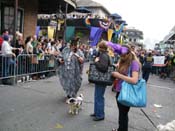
(92, 115)
(98, 119)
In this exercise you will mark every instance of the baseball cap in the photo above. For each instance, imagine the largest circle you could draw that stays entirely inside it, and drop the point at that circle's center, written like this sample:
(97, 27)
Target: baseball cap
(6, 37)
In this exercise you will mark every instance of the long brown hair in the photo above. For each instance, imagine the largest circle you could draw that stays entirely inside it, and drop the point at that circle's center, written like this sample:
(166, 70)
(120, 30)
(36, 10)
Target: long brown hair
(102, 46)
(126, 60)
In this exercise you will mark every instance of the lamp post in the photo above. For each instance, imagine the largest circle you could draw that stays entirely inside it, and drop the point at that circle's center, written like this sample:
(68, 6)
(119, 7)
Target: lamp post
(65, 23)
(59, 16)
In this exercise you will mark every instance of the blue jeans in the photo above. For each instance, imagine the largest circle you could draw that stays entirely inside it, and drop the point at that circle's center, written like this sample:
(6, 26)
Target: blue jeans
(99, 101)
(8, 64)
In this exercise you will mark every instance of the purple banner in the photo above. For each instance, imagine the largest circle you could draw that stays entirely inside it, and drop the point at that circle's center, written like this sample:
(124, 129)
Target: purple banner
(95, 35)
(37, 31)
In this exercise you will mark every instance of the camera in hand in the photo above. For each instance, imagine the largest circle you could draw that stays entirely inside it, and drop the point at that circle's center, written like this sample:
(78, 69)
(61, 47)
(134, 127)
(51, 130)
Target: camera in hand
(60, 58)
(75, 50)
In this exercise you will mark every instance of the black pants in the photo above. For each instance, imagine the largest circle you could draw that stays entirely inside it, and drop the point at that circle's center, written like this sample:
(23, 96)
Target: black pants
(123, 116)
(145, 73)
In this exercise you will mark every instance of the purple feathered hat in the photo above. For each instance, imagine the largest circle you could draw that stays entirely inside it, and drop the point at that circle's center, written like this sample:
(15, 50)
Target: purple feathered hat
(119, 49)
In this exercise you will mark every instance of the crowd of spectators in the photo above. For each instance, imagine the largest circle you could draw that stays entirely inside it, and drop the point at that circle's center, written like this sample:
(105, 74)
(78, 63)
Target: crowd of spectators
(26, 54)
(40, 47)
(31, 54)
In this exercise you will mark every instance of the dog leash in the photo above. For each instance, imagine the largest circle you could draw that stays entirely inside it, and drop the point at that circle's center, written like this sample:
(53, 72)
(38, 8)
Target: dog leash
(149, 119)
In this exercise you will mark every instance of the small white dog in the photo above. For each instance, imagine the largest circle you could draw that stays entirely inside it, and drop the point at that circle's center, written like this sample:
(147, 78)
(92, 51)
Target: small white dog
(170, 126)
(75, 104)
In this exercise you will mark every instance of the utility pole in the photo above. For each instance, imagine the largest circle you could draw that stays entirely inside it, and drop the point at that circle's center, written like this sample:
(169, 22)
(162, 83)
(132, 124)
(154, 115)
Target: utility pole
(15, 21)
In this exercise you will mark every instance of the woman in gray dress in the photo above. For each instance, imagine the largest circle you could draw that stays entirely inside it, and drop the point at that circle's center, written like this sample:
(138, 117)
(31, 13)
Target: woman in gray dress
(70, 69)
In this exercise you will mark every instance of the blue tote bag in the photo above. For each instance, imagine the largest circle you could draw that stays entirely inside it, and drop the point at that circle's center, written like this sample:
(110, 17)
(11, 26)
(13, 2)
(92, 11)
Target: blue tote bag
(133, 95)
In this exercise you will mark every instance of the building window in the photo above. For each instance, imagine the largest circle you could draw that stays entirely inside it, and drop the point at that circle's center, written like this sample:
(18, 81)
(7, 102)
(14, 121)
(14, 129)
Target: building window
(8, 19)
(0, 20)
(20, 20)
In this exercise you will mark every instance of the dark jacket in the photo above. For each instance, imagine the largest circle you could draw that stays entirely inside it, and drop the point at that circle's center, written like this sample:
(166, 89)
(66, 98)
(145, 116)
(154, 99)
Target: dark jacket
(148, 61)
(103, 63)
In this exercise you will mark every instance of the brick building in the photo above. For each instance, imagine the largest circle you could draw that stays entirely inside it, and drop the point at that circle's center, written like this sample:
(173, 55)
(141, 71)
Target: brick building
(21, 15)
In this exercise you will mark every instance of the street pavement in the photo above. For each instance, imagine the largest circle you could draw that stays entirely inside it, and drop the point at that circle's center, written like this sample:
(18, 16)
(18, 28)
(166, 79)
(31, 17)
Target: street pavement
(40, 106)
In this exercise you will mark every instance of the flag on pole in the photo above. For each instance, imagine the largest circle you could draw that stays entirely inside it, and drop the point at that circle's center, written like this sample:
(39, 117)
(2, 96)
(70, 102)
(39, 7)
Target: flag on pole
(50, 32)
(110, 32)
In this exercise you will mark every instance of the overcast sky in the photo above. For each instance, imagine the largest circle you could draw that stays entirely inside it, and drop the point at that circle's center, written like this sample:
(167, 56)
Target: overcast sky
(154, 17)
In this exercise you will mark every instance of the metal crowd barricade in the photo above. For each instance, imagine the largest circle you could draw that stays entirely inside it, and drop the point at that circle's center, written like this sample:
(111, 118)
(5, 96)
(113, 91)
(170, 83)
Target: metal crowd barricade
(7, 68)
(31, 64)
(27, 65)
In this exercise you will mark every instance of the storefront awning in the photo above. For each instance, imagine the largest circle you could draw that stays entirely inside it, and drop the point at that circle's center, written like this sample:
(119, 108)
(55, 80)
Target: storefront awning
(71, 2)
(169, 36)
(51, 7)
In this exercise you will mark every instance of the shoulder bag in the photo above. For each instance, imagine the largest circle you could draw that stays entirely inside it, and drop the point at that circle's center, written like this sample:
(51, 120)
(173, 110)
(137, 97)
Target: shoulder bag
(133, 95)
(97, 77)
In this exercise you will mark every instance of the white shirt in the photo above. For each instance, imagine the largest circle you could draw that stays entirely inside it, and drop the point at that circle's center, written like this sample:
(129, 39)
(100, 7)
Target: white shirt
(91, 51)
(29, 48)
(49, 45)
(6, 49)
(52, 50)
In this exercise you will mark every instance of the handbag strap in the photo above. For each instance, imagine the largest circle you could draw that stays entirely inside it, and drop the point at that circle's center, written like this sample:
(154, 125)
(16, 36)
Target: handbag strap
(129, 72)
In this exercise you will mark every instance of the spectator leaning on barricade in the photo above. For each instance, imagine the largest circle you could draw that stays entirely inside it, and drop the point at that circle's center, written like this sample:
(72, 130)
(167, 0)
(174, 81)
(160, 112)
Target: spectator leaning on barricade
(48, 43)
(38, 55)
(53, 50)
(4, 32)
(44, 47)
(59, 44)
(38, 51)
(28, 51)
(53, 55)
(19, 43)
(28, 43)
(10, 57)
(34, 42)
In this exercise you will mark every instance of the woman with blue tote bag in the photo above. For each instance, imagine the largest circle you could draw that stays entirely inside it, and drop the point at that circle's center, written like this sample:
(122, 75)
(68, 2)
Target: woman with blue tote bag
(128, 61)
